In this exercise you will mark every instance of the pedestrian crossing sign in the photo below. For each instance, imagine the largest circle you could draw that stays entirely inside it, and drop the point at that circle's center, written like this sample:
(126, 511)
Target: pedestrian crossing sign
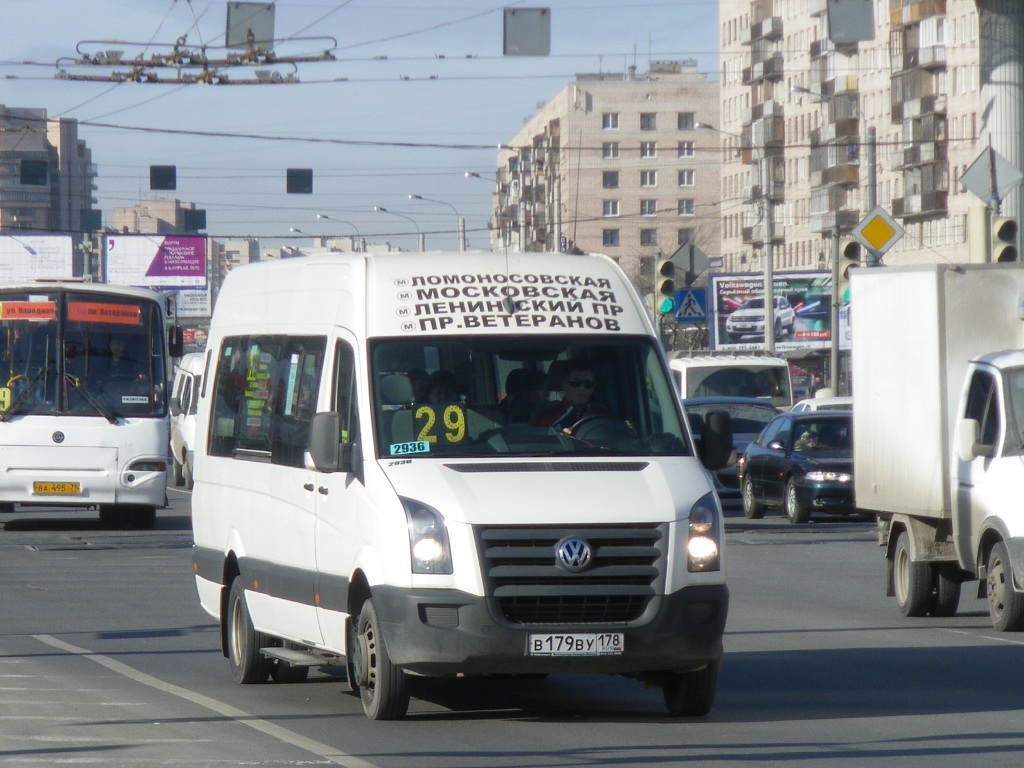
(691, 306)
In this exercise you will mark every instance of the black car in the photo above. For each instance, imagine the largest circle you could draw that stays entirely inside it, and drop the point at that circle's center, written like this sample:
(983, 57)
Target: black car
(803, 463)
(749, 416)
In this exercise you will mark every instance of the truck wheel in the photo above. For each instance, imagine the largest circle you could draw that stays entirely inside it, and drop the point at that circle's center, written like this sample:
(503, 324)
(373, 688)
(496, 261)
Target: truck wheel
(383, 687)
(752, 509)
(248, 665)
(946, 595)
(1005, 604)
(691, 694)
(794, 511)
(912, 580)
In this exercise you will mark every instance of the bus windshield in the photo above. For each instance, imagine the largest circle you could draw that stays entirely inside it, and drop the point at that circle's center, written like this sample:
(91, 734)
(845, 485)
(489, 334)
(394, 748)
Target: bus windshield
(529, 396)
(88, 353)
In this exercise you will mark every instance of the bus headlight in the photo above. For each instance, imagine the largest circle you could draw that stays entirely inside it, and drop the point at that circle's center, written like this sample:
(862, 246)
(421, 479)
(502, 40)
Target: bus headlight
(428, 539)
(703, 544)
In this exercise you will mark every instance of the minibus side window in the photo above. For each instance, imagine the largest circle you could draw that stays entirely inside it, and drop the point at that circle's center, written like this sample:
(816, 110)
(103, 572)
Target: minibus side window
(344, 393)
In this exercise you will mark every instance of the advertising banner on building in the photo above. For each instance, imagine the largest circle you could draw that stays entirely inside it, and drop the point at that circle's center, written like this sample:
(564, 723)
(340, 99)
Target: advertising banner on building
(155, 261)
(194, 303)
(24, 258)
(802, 314)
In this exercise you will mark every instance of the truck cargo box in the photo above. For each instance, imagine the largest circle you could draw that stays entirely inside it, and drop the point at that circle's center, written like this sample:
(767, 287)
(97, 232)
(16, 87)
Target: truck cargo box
(914, 331)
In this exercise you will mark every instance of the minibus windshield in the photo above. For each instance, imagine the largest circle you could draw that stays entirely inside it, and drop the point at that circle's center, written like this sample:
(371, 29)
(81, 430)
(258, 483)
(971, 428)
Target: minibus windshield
(94, 354)
(528, 396)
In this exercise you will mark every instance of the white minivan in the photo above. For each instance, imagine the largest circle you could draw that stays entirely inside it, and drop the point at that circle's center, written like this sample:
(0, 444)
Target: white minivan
(188, 377)
(348, 511)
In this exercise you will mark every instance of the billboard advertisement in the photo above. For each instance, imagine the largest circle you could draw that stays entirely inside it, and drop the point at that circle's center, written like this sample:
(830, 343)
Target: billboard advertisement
(25, 257)
(155, 261)
(802, 315)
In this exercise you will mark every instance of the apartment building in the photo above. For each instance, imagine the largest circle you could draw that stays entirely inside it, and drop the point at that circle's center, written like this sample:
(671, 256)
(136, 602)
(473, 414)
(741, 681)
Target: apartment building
(47, 178)
(159, 217)
(815, 133)
(615, 163)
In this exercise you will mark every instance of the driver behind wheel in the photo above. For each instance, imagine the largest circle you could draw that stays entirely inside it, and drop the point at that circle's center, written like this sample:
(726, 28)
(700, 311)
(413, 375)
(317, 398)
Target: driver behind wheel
(578, 386)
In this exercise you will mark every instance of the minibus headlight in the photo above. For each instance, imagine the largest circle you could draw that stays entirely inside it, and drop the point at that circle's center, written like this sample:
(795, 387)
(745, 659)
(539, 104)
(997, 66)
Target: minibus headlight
(703, 544)
(428, 539)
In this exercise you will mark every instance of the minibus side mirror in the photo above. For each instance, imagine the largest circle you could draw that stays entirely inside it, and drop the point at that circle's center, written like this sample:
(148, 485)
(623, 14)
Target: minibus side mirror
(323, 441)
(716, 436)
(175, 341)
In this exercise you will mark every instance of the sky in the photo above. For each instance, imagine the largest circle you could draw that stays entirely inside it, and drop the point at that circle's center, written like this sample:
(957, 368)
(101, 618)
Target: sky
(418, 94)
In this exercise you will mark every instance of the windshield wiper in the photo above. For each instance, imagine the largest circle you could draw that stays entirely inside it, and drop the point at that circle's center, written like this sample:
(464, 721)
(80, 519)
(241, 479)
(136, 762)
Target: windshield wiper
(104, 410)
(22, 397)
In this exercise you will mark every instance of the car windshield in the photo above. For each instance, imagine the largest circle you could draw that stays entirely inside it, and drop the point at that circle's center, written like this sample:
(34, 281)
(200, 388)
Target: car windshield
(747, 418)
(541, 396)
(749, 380)
(823, 435)
(80, 353)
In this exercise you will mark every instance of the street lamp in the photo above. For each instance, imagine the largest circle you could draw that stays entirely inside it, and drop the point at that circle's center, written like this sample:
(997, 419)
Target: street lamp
(325, 217)
(767, 212)
(460, 223)
(419, 233)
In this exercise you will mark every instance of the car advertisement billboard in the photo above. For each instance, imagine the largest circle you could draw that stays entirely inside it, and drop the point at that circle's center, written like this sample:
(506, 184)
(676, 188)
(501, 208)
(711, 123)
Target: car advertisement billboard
(802, 315)
(155, 261)
(24, 258)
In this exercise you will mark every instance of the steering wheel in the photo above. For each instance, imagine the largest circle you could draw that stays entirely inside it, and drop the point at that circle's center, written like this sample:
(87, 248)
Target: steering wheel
(601, 428)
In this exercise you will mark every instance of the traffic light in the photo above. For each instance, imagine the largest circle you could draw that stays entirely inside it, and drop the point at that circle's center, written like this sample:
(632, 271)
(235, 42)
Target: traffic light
(849, 249)
(1004, 239)
(666, 284)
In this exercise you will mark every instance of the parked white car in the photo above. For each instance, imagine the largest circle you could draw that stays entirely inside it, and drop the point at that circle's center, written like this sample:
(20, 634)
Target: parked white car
(824, 404)
(748, 320)
(188, 376)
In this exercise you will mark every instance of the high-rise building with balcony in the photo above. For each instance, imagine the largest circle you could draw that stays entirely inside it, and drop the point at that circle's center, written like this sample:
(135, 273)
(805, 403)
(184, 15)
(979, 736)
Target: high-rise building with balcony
(815, 133)
(615, 163)
(47, 178)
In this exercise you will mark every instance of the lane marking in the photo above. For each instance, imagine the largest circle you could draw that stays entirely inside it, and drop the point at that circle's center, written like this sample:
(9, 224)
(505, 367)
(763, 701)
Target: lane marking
(241, 717)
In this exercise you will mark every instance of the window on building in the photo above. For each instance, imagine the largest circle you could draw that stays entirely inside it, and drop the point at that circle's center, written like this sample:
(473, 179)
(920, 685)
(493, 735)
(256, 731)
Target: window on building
(648, 207)
(610, 208)
(685, 149)
(648, 178)
(686, 178)
(687, 207)
(610, 237)
(685, 121)
(610, 179)
(648, 237)
(610, 150)
(684, 235)
(648, 149)
(610, 121)
(648, 121)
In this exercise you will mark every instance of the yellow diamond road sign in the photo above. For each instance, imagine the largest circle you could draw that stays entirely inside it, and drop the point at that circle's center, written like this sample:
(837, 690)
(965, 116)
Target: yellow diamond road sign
(878, 231)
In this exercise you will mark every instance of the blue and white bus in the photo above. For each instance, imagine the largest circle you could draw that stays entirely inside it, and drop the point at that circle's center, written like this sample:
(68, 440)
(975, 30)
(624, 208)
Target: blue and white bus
(83, 398)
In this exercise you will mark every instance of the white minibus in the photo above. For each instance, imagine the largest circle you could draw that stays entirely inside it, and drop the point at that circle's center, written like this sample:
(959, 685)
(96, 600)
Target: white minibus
(83, 399)
(363, 494)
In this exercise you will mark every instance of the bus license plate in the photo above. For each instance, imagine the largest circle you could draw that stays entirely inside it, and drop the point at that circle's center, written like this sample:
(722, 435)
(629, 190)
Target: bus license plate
(63, 489)
(577, 644)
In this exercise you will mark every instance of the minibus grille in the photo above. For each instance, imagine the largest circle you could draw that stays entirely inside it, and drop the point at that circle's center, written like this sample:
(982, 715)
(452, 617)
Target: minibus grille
(526, 584)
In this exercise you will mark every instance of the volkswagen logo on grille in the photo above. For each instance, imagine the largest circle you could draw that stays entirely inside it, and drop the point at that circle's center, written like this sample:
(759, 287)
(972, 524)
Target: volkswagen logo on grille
(573, 554)
(58, 437)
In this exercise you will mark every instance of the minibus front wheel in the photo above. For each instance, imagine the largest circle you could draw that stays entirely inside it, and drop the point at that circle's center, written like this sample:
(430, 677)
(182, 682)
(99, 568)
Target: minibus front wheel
(383, 687)
(248, 665)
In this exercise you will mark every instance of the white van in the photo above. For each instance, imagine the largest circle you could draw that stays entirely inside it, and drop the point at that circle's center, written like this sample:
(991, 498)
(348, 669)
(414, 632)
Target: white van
(340, 513)
(734, 375)
(188, 377)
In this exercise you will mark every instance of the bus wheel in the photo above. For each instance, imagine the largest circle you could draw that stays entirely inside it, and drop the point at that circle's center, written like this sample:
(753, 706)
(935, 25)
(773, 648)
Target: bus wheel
(383, 687)
(248, 665)
(179, 477)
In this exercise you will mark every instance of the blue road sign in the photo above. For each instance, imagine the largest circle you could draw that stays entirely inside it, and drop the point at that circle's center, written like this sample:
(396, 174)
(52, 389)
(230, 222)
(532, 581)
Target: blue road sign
(691, 306)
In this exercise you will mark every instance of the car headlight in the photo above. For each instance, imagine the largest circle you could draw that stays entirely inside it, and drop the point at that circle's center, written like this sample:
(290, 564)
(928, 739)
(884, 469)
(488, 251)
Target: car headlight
(703, 543)
(428, 539)
(828, 476)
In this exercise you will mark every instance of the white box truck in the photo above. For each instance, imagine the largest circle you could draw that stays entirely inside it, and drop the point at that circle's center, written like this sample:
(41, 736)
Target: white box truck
(708, 374)
(364, 497)
(938, 387)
